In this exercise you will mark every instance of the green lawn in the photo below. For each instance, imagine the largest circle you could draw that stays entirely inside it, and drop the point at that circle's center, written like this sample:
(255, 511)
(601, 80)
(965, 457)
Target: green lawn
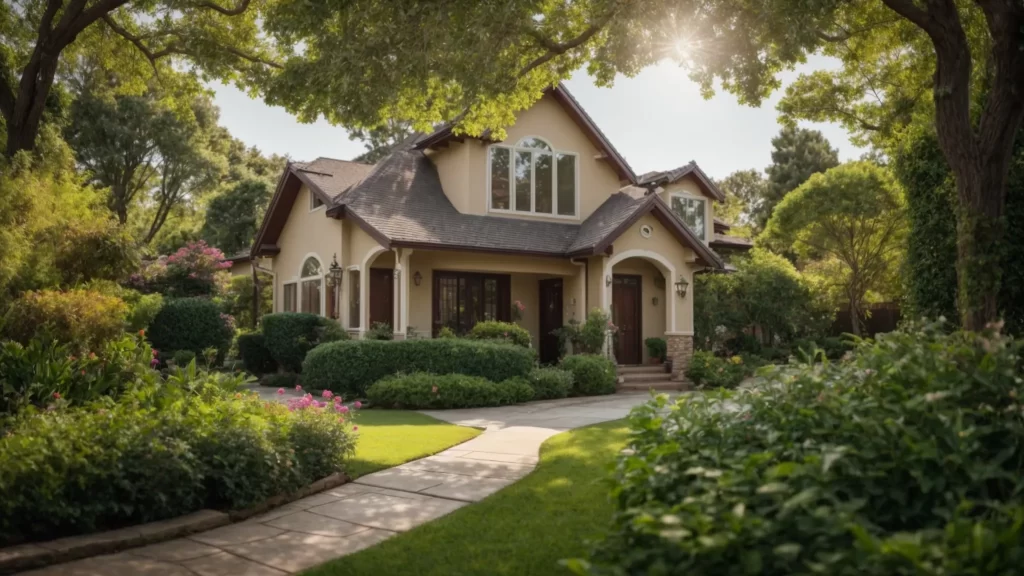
(391, 437)
(524, 529)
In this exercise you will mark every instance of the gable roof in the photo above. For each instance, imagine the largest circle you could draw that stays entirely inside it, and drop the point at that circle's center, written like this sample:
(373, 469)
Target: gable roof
(652, 179)
(576, 112)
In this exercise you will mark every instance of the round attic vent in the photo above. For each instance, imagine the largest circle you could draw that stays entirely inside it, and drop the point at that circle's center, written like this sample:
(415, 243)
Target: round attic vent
(646, 231)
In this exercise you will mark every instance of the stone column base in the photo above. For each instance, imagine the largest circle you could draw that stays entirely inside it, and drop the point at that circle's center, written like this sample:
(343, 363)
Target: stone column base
(680, 350)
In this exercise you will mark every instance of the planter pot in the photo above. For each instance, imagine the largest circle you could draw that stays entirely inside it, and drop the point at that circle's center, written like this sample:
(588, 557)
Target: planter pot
(668, 366)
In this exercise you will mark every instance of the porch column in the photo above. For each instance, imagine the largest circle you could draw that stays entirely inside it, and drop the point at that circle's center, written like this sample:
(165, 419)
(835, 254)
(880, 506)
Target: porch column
(402, 288)
(364, 300)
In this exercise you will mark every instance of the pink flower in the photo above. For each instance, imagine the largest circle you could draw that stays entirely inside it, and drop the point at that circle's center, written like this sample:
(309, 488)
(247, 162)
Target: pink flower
(343, 409)
(152, 363)
(299, 388)
(142, 332)
(358, 404)
(338, 408)
(355, 428)
(56, 395)
(280, 391)
(155, 351)
(337, 399)
(327, 394)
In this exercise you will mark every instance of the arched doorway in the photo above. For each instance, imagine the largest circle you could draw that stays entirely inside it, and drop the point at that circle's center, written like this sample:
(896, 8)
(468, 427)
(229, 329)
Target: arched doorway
(638, 299)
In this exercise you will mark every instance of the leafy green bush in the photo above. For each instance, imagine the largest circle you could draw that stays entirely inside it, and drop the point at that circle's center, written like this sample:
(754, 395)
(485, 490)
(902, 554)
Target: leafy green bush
(588, 337)
(550, 383)
(421, 390)
(161, 452)
(380, 331)
(142, 311)
(183, 357)
(191, 324)
(255, 355)
(709, 371)
(657, 348)
(351, 367)
(45, 372)
(82, 319)
(591, 374)
(280, 380)
(507, 331)
(290, 335)
(446, 332)
(906, 459)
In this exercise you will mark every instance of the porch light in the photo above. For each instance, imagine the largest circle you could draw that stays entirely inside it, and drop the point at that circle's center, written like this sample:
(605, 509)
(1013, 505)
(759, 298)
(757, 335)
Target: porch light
(608, 280)
(681, 286)
(417, 278)
(334, 272)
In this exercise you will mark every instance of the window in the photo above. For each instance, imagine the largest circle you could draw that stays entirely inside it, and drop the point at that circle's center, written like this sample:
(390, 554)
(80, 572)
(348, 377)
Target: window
(311, 286)
(314, 201)
(289, 297)
(691, 210)
(532, 178)
(353, 299)
(462, 299)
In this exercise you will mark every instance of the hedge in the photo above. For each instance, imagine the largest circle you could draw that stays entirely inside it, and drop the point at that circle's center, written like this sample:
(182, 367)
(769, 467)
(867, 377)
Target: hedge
(906, 459)
(83, 319)
(504, 331)
(709, 371)
(350, 367)
(550, 383)
(255, 355)
(191, 324)
(291, 335)
(592, 374)
(422, 390)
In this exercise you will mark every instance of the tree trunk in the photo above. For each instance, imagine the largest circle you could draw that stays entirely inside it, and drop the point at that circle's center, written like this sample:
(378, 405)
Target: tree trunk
(980, 248)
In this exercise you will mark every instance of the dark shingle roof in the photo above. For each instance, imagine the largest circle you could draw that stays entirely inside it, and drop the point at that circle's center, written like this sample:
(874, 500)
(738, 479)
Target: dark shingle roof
(608, 217)
(674, 175)
(333, 177)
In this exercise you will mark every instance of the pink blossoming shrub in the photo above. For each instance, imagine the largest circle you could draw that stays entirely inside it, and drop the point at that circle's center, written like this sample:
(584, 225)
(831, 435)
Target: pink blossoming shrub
(194, 270)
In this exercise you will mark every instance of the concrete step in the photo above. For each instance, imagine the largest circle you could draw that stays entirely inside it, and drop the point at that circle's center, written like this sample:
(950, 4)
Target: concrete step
(644, 369)
(663, 385)
(640, 377)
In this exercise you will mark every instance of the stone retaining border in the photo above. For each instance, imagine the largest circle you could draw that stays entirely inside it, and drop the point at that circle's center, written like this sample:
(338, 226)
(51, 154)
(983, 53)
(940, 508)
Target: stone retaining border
(40, 554)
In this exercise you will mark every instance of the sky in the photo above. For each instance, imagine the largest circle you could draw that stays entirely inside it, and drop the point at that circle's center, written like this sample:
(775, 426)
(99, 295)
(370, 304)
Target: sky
(657, 120)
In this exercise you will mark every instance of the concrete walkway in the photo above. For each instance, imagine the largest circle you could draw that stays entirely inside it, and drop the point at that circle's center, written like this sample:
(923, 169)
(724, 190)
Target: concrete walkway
(357, 515)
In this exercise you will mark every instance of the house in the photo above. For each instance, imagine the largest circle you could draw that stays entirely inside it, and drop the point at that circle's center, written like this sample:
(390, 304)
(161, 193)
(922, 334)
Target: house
(451, 230)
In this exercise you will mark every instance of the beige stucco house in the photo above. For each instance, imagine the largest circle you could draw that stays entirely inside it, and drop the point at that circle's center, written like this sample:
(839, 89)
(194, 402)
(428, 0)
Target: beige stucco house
(450, 230)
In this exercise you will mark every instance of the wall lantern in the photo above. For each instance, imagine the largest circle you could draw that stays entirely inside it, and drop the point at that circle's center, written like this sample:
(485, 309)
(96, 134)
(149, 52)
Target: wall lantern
(681, 286)
(654, 301)
(417, 278)
(608, 280)
(334, 272)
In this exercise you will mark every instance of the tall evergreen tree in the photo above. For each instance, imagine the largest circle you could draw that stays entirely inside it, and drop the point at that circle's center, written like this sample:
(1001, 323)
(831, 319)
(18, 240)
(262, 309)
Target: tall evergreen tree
(797, 154)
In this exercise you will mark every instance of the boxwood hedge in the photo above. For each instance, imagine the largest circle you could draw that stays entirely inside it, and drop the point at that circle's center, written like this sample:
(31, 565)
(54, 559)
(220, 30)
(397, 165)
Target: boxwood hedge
(422, 390)
(291, 335)
(191, 324)
(350, 367)
(592, 374)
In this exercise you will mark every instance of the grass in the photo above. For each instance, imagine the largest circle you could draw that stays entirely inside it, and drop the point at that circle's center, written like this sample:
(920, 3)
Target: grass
(524, 529)
(391, 437)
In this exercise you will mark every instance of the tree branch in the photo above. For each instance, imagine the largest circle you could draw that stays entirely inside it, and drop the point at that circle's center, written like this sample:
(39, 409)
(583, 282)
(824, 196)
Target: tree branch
(558, 48)
(910, 11)
(242, 6)
(847, 34)
(6, 98)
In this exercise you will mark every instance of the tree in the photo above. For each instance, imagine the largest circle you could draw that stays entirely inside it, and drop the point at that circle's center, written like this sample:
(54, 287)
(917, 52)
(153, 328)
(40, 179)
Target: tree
(233, 217)
(379, 141)
(480, 62)
(797, 154)
(40, 39)
(745, 191)
(854, 214)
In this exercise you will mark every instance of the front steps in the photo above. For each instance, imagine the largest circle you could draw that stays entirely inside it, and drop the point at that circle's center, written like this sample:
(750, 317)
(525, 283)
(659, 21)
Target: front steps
(644, 378)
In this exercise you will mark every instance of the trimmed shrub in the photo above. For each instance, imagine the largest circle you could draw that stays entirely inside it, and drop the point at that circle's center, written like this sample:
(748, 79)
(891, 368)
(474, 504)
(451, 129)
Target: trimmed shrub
(380, 331)
(290, 335)
(503, 331)
(164, 453)
(421, 390)
(193, 324)
(906, 459)
(709, 371)
(592, 374)
(280, 380)
(550, 383)
(351, 367)
(657, 348)
(82, 319)
(256, 357)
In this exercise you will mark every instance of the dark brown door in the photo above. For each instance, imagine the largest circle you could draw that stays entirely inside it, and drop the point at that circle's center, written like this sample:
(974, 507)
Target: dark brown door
(626, 316)
(382, 297)
(550, 319)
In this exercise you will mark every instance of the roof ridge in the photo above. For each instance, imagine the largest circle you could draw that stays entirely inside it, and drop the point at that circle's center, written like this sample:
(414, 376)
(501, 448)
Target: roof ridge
(341, 160)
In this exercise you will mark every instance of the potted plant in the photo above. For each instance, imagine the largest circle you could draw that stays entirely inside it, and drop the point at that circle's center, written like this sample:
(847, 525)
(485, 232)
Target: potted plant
(657, 349)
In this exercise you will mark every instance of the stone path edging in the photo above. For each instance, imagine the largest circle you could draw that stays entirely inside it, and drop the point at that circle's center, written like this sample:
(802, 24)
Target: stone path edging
(342, 520)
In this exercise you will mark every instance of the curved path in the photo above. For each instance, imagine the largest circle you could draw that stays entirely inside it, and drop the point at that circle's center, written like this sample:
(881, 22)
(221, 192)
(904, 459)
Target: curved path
(357, 515)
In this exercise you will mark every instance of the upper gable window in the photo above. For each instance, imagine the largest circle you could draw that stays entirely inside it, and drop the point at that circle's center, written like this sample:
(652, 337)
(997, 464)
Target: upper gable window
(314, 201)
(533, 178)
(692, 211)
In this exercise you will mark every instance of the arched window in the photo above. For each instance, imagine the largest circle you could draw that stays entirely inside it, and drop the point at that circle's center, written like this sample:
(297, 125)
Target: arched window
(532, 178)
(311, 285)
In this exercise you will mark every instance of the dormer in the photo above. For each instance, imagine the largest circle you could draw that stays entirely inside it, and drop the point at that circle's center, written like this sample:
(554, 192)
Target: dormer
(690, 194)
(554, 164)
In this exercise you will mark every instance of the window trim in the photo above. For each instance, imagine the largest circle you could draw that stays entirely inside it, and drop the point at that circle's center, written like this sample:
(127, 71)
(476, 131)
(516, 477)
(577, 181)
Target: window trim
(513, 149)
(284, 296)
(503, 308)
(690, 196)
(298, 279)
(312, 203)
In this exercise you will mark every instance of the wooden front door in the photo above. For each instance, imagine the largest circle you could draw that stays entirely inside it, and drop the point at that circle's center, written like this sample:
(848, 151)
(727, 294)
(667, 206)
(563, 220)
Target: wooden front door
(626, 315)
(382, 297)
(550, 319)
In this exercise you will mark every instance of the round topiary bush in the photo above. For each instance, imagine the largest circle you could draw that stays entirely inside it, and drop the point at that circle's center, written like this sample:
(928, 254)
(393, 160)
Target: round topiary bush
(421, 390)
(905, 459)
(592, 374)
(255, 355)
(550, 383)
(506, 331)
(193, 324)
(290, 335)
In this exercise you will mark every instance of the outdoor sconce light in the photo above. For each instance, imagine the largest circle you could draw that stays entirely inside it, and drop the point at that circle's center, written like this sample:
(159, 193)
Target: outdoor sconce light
(654, 301)
(608, 280)
(334, 272)
(681, 286)
(417, 278)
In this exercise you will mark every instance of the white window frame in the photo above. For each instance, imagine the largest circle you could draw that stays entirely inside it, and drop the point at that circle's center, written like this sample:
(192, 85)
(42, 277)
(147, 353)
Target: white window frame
(312, 204)
(284, 295)
(298, 279)
(688, 196)
(533, 186)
